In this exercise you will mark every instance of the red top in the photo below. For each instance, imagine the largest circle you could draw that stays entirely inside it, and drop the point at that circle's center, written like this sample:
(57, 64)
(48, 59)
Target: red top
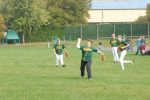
(142, 47)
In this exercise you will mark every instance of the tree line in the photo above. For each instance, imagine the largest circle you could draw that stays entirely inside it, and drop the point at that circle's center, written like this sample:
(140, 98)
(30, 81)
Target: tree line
(27, 16)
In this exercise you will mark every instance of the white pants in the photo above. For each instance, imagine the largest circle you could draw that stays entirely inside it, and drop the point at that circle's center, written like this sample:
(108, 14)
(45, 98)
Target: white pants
(122, 61)
(59, 57)
(115, 54)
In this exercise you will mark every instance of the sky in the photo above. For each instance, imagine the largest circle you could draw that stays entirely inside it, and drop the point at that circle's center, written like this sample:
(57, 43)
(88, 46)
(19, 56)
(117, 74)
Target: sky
(119, 4)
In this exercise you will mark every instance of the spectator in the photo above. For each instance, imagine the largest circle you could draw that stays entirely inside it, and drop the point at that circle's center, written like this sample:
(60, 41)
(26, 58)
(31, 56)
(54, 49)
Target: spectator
(100, 45)
(138, 44)
(145, 50)
(142, 39)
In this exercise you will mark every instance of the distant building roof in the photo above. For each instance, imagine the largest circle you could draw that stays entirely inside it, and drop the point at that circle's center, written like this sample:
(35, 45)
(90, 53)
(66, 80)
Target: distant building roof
(119, 4)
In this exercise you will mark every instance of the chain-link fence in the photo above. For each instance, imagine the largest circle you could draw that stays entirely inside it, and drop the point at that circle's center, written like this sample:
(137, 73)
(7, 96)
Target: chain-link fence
(105, 30)
(93, 31)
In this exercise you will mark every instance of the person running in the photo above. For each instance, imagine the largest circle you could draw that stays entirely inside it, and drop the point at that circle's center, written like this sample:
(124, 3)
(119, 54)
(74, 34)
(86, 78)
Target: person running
(114, 47)
(122, 45)
(86, 60)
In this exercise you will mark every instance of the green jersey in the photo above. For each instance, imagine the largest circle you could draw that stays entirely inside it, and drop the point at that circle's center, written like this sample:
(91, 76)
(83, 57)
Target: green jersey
(59, 48)
(87, 52)
(114, 42)
(122, 44)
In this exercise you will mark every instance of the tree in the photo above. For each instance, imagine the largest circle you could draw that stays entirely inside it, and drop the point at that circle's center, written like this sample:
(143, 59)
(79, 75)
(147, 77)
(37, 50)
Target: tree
(145, 19)
(6, 10)
(142, 19)
(68, 12)
(148, 12)
(2, 27)
(27, 15)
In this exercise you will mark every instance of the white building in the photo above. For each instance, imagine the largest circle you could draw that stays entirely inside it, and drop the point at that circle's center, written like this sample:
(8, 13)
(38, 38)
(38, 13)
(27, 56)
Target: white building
(115, 15)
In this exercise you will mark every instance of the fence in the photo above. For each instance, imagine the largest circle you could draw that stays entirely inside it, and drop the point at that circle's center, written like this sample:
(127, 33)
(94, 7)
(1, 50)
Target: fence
(105, 30)
(93, 31)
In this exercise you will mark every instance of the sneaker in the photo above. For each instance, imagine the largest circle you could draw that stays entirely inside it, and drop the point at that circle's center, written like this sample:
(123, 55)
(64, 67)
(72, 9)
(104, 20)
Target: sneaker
(63, 65)
(90, 78)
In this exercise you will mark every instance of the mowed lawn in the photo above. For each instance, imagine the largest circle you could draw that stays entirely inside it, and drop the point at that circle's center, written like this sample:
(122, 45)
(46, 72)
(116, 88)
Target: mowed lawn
(28, 72)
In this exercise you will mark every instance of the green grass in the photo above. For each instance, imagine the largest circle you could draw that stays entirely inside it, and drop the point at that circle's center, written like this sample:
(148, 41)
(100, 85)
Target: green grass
(28, 72)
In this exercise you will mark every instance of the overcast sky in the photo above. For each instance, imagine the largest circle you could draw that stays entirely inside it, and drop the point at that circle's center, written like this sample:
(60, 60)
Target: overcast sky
(119, 4)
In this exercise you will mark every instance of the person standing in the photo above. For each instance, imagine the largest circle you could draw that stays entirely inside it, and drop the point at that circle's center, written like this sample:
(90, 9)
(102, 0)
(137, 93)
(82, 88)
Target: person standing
(58, 51)
(86, 60)
(114, 47)
(100, 45)
(122, 45)
(142, 40)
(138, 44)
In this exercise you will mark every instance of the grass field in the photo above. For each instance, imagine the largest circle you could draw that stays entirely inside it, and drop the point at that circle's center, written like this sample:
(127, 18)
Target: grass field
(28, 72)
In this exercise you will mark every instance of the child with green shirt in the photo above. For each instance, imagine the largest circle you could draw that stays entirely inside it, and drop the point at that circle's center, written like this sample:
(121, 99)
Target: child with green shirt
(86, 60)
(114, 48)
(122, 45)
(58, 51)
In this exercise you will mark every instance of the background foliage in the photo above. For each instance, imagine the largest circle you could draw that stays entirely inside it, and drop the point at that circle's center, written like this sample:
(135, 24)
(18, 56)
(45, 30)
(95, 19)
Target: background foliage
(28, 16)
